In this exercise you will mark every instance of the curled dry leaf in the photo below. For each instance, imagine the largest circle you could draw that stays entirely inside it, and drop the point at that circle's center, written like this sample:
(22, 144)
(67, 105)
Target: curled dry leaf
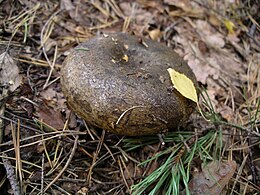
(186, 8)
(213, 178)
(67, 5)
(209, 35)
(9, 72)
(50, 116)
(155, 34)
(53, 98)
(197, 65)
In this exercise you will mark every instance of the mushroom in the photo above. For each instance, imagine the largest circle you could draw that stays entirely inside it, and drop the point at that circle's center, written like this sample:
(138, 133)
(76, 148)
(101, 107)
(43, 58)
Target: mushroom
(119, 82)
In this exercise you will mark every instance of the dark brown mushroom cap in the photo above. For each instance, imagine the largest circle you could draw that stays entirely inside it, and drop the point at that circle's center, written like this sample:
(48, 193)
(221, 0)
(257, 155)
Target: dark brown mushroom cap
(120, 83)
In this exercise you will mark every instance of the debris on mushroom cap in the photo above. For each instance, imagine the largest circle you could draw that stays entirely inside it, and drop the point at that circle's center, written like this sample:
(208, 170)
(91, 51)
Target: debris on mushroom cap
(118, 83)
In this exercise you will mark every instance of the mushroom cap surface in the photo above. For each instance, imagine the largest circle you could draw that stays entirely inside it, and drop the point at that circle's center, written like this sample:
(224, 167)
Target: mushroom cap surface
(120, 83)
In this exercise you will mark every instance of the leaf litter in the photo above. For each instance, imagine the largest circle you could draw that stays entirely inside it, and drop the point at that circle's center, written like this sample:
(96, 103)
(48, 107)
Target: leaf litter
(212, 178)
(220, 42)
(10, 75)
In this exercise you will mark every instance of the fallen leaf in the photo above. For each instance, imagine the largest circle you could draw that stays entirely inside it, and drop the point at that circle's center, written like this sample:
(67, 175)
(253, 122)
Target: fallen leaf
(186, 9)
(67, 5)
(9, 72)
(125, 58)
(209, 35)
(226, 112)
(183, 84)
(155, 34)
(196, 65)
(203, 47)
(48, 94)
(214, 20)
(214, 40)
(230, 26)
(53, 99)
(50, 116)
(213, 178)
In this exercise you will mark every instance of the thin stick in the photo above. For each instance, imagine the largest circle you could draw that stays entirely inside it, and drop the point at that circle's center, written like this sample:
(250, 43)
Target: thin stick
(18, 155)
(42, 174)
(2, 111)
(15, 149)
(30, 101)
(11, 176)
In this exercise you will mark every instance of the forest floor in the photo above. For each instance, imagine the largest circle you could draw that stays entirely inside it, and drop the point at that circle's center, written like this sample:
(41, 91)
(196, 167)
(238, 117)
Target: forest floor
(47, 149)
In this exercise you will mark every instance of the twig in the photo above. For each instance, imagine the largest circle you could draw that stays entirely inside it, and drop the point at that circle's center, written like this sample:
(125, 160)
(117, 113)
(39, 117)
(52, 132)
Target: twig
(2, 110)
(30, 101)
(115, 7)
(11, 176)
(250, 159)
(66, 165)
(161, 136)
(36, 62)
(18, 153)
(42, 172)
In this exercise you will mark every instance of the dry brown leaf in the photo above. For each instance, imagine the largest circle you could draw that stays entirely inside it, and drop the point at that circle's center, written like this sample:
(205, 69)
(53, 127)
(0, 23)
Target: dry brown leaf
(153, 4)
(67, 5)
(226, 112)
(186, 8)
(9, 73)
(140, 16)
(209, 35)
(195, 58)
(50, 44)
(197, 66)
(227, 63)
(48, 94)
(50, 116)
(213, 178)
(214, 20)
(53, 98)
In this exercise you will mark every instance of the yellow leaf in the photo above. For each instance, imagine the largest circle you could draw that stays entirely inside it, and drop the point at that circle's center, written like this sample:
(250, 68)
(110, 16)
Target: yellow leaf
(125, 57)
(155, 34)
(230, 26)
(183, 84)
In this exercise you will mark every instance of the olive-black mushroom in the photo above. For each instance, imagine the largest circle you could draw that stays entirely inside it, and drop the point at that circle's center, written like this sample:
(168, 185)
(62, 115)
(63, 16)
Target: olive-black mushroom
(120, 83)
